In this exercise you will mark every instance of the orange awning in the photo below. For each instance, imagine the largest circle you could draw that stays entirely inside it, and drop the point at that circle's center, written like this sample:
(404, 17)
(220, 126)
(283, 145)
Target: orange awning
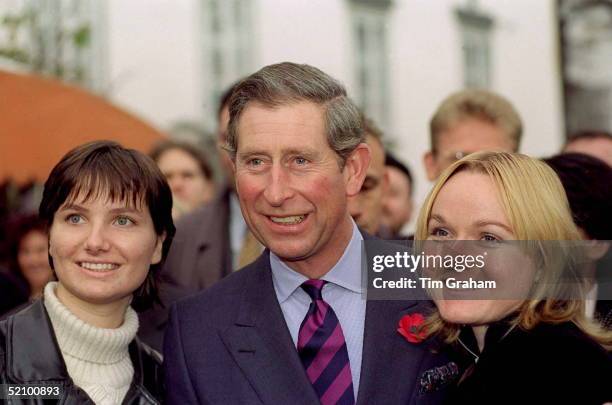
(42, 119)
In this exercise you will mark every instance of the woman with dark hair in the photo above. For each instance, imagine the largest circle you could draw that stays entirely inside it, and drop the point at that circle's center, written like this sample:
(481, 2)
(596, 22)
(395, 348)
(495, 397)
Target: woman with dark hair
(108, 211)
(29, 269)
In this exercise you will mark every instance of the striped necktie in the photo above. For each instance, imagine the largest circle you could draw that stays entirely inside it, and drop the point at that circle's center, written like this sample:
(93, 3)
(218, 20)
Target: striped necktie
(323, 351)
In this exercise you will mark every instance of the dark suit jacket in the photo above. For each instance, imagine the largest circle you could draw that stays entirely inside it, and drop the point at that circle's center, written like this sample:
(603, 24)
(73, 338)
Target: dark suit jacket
(200, 256)
(230, 345)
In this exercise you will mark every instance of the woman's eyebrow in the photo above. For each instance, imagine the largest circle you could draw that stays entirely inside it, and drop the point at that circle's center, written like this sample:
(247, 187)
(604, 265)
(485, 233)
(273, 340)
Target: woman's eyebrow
(72, 206)
(494, 223)
(120, 210)
(437, 218)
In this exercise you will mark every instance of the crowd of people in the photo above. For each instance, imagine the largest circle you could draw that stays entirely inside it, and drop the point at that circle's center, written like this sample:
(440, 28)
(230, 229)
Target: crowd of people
(141, 280)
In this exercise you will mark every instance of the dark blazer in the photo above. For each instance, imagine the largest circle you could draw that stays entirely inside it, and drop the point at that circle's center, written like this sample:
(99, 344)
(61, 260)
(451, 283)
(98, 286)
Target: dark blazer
(29, 354)
(230, 345)
(550, 364)
(200, 256)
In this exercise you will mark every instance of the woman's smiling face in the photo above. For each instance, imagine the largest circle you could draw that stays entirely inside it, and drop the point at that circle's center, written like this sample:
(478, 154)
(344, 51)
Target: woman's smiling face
(468, 208)
(102, 249)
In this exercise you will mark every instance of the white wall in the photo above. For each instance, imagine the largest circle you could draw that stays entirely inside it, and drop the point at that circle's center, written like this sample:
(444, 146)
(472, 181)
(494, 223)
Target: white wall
(528, 72)
(155, 67)
(316, 32)
(153, 59)
(427, 67)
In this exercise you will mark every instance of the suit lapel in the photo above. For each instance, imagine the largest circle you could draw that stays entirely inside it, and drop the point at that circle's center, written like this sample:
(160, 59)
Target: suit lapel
(390, 365)
(261, 344)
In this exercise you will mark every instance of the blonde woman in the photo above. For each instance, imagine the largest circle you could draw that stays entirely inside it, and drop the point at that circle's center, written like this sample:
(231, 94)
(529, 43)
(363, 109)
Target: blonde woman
(536, 350)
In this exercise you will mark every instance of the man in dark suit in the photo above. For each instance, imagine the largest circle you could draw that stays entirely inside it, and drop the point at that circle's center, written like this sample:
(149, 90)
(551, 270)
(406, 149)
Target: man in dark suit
(293, 327)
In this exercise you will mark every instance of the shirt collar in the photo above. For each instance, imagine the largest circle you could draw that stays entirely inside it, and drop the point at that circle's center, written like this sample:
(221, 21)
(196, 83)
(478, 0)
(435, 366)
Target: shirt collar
(346, 272)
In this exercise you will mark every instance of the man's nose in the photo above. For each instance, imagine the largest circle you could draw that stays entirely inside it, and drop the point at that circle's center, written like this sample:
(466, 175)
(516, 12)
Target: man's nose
(278, 188)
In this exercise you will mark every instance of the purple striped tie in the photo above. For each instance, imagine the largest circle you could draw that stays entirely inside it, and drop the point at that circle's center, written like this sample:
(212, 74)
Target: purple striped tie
(322, 348)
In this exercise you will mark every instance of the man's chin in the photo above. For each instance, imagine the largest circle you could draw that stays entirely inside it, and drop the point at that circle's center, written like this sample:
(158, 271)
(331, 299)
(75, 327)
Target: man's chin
(289, 252)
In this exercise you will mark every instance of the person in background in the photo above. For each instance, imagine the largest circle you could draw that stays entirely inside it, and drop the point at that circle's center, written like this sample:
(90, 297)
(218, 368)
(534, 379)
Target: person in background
(366, 207)
(397, 201)
(210, 243)
(188, 173)
(109, 214)
(594, 143)
(29, 260)
(470, 121)
(587, 182)
(532, 335)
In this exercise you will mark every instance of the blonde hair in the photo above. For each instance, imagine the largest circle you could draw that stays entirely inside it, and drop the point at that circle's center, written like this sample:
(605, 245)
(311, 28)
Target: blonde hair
(480, 104)
(537, 208)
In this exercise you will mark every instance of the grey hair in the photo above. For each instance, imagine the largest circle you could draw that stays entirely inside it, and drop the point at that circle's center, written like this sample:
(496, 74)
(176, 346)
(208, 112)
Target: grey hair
(288, 83)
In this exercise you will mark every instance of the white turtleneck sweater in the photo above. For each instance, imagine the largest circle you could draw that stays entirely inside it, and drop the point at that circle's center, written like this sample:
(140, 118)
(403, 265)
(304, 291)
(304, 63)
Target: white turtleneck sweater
(97, 359)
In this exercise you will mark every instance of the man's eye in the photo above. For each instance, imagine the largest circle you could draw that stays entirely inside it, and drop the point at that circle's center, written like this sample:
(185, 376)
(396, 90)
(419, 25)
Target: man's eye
(255, 162)
(300, 161)
(124, 221)
(74, 219)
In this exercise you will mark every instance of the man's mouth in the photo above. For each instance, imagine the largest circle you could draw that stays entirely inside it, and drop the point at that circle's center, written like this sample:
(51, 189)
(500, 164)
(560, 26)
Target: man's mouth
(290, 220)
(100, 267)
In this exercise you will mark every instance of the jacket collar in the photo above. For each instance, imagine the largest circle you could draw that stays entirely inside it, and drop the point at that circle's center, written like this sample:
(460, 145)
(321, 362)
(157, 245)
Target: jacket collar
(261, 345)
(41, 359)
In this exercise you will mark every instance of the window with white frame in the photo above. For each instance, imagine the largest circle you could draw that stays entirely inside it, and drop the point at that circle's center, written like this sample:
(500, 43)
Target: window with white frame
(59, 38)
(476, 28)
(227, 43)
(369, 20)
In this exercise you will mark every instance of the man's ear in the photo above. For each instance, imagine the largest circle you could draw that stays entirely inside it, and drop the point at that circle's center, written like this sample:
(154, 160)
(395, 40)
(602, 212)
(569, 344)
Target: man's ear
(431, 166)
(157, 253)
(355, 168)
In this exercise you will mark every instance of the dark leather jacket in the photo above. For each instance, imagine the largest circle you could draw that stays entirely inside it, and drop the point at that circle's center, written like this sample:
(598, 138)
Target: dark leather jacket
(29, 354)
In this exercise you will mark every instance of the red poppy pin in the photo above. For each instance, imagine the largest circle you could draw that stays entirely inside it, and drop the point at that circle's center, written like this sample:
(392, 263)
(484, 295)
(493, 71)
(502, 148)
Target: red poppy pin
(411, 327)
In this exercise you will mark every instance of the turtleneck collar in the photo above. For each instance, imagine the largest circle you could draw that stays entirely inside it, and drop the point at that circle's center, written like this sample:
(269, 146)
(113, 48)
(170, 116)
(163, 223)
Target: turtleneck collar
(87, 342)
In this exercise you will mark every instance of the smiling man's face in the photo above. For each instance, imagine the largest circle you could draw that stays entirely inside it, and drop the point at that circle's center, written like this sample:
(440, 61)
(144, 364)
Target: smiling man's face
(292, 188)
